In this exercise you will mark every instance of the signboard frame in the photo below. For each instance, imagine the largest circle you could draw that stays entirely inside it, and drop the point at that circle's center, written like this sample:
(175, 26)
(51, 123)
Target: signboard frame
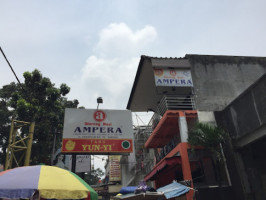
(93, 131)
(173, 77)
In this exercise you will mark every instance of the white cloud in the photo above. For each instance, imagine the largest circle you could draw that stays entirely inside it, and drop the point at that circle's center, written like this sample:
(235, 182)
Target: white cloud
(110, 72)
(113, 74)
(118, 40)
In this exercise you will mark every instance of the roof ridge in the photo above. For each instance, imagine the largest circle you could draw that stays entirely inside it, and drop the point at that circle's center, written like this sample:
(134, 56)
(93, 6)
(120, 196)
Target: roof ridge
(155, 57)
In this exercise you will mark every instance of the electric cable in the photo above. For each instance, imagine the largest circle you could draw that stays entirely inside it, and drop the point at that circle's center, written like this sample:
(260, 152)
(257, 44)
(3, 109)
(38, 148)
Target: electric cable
(12, 69)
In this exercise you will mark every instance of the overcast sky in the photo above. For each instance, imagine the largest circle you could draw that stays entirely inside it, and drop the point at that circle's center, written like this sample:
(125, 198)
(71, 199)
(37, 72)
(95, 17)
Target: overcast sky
(94, 46)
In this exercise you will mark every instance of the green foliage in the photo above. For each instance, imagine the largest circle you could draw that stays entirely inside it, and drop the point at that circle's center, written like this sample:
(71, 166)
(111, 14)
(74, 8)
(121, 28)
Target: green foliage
(5, 113)
(40, 101)
(64, 89)
(93, 177)
(207, 136)
(210, 137)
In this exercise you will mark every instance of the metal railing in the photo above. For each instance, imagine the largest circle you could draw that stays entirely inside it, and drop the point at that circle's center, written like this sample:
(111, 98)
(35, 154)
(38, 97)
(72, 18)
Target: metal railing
(153, 123)
(176, 102)
(166, 149)
(170, 102)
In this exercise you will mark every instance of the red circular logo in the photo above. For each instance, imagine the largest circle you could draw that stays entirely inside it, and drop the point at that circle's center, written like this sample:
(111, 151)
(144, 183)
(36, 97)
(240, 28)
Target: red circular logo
(173, 72)
(158, 72)
(99, 116)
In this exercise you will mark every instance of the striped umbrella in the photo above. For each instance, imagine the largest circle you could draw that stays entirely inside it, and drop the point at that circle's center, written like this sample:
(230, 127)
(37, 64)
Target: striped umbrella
(51, 183)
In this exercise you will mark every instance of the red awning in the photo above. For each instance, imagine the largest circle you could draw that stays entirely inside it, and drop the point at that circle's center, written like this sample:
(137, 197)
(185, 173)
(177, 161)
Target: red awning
(161, 165)
(168, 127)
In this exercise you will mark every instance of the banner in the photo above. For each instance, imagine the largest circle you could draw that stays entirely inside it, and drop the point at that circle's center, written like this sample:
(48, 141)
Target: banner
(173, 77)
(97, 131)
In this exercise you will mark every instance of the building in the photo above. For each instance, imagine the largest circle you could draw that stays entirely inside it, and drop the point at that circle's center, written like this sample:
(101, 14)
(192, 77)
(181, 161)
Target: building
(130, 170)
(245, 120)
(111, 183)
(181, 92)
(135, 166)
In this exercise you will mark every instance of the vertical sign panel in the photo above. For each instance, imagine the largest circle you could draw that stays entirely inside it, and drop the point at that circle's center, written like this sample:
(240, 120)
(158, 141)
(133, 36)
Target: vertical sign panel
(115, 170)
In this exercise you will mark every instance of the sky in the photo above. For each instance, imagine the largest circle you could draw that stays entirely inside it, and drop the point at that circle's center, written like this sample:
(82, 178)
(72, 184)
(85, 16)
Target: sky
(94, 46)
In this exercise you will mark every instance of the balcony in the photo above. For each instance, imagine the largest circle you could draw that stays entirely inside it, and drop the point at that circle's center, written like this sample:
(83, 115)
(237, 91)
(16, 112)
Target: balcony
(170, 102)
(176, 102)
(166, 149)
(153, 123)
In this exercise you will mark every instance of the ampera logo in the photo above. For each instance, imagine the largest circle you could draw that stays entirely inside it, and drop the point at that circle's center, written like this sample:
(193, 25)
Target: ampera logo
(173, 72)
(158, 72)
(99, 116)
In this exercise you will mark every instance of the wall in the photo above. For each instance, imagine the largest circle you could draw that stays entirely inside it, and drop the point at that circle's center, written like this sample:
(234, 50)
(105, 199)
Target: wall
(206, 117)
(128, 173)
(246, 115)
(245, 120)
(220, 79)
(255, 167)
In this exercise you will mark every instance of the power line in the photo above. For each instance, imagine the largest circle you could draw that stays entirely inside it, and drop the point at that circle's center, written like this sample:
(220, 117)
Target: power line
(137, 117)
(9, 65)
(11, 68)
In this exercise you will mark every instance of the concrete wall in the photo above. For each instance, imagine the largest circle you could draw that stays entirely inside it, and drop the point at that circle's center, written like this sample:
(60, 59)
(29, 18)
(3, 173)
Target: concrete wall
(245, 117)
(245, 120)
(220, 79)
(206, 117)
(128, 174)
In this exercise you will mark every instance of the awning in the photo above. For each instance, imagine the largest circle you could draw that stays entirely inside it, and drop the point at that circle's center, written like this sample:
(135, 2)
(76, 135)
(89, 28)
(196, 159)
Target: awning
(173, 190)
(168, 127)
(161, 165)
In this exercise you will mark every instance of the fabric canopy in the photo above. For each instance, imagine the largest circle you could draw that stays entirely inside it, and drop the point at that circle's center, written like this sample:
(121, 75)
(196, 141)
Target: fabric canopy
(173, 190)
(51, 183)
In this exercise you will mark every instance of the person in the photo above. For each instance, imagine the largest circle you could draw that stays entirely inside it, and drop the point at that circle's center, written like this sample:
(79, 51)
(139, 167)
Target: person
(60, 161)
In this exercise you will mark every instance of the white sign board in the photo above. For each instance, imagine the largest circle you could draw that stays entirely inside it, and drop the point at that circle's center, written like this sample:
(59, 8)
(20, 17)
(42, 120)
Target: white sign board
(83, 162)
(97, 131)
(173, 77)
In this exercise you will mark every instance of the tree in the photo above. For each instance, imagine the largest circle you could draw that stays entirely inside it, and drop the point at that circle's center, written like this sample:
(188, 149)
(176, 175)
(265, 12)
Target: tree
(93, 177)
(5, 114)
(210, 137)
(38, 100)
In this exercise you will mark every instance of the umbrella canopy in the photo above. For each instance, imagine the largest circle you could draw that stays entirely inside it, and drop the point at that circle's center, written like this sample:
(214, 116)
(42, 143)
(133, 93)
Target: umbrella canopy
(51, 183)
